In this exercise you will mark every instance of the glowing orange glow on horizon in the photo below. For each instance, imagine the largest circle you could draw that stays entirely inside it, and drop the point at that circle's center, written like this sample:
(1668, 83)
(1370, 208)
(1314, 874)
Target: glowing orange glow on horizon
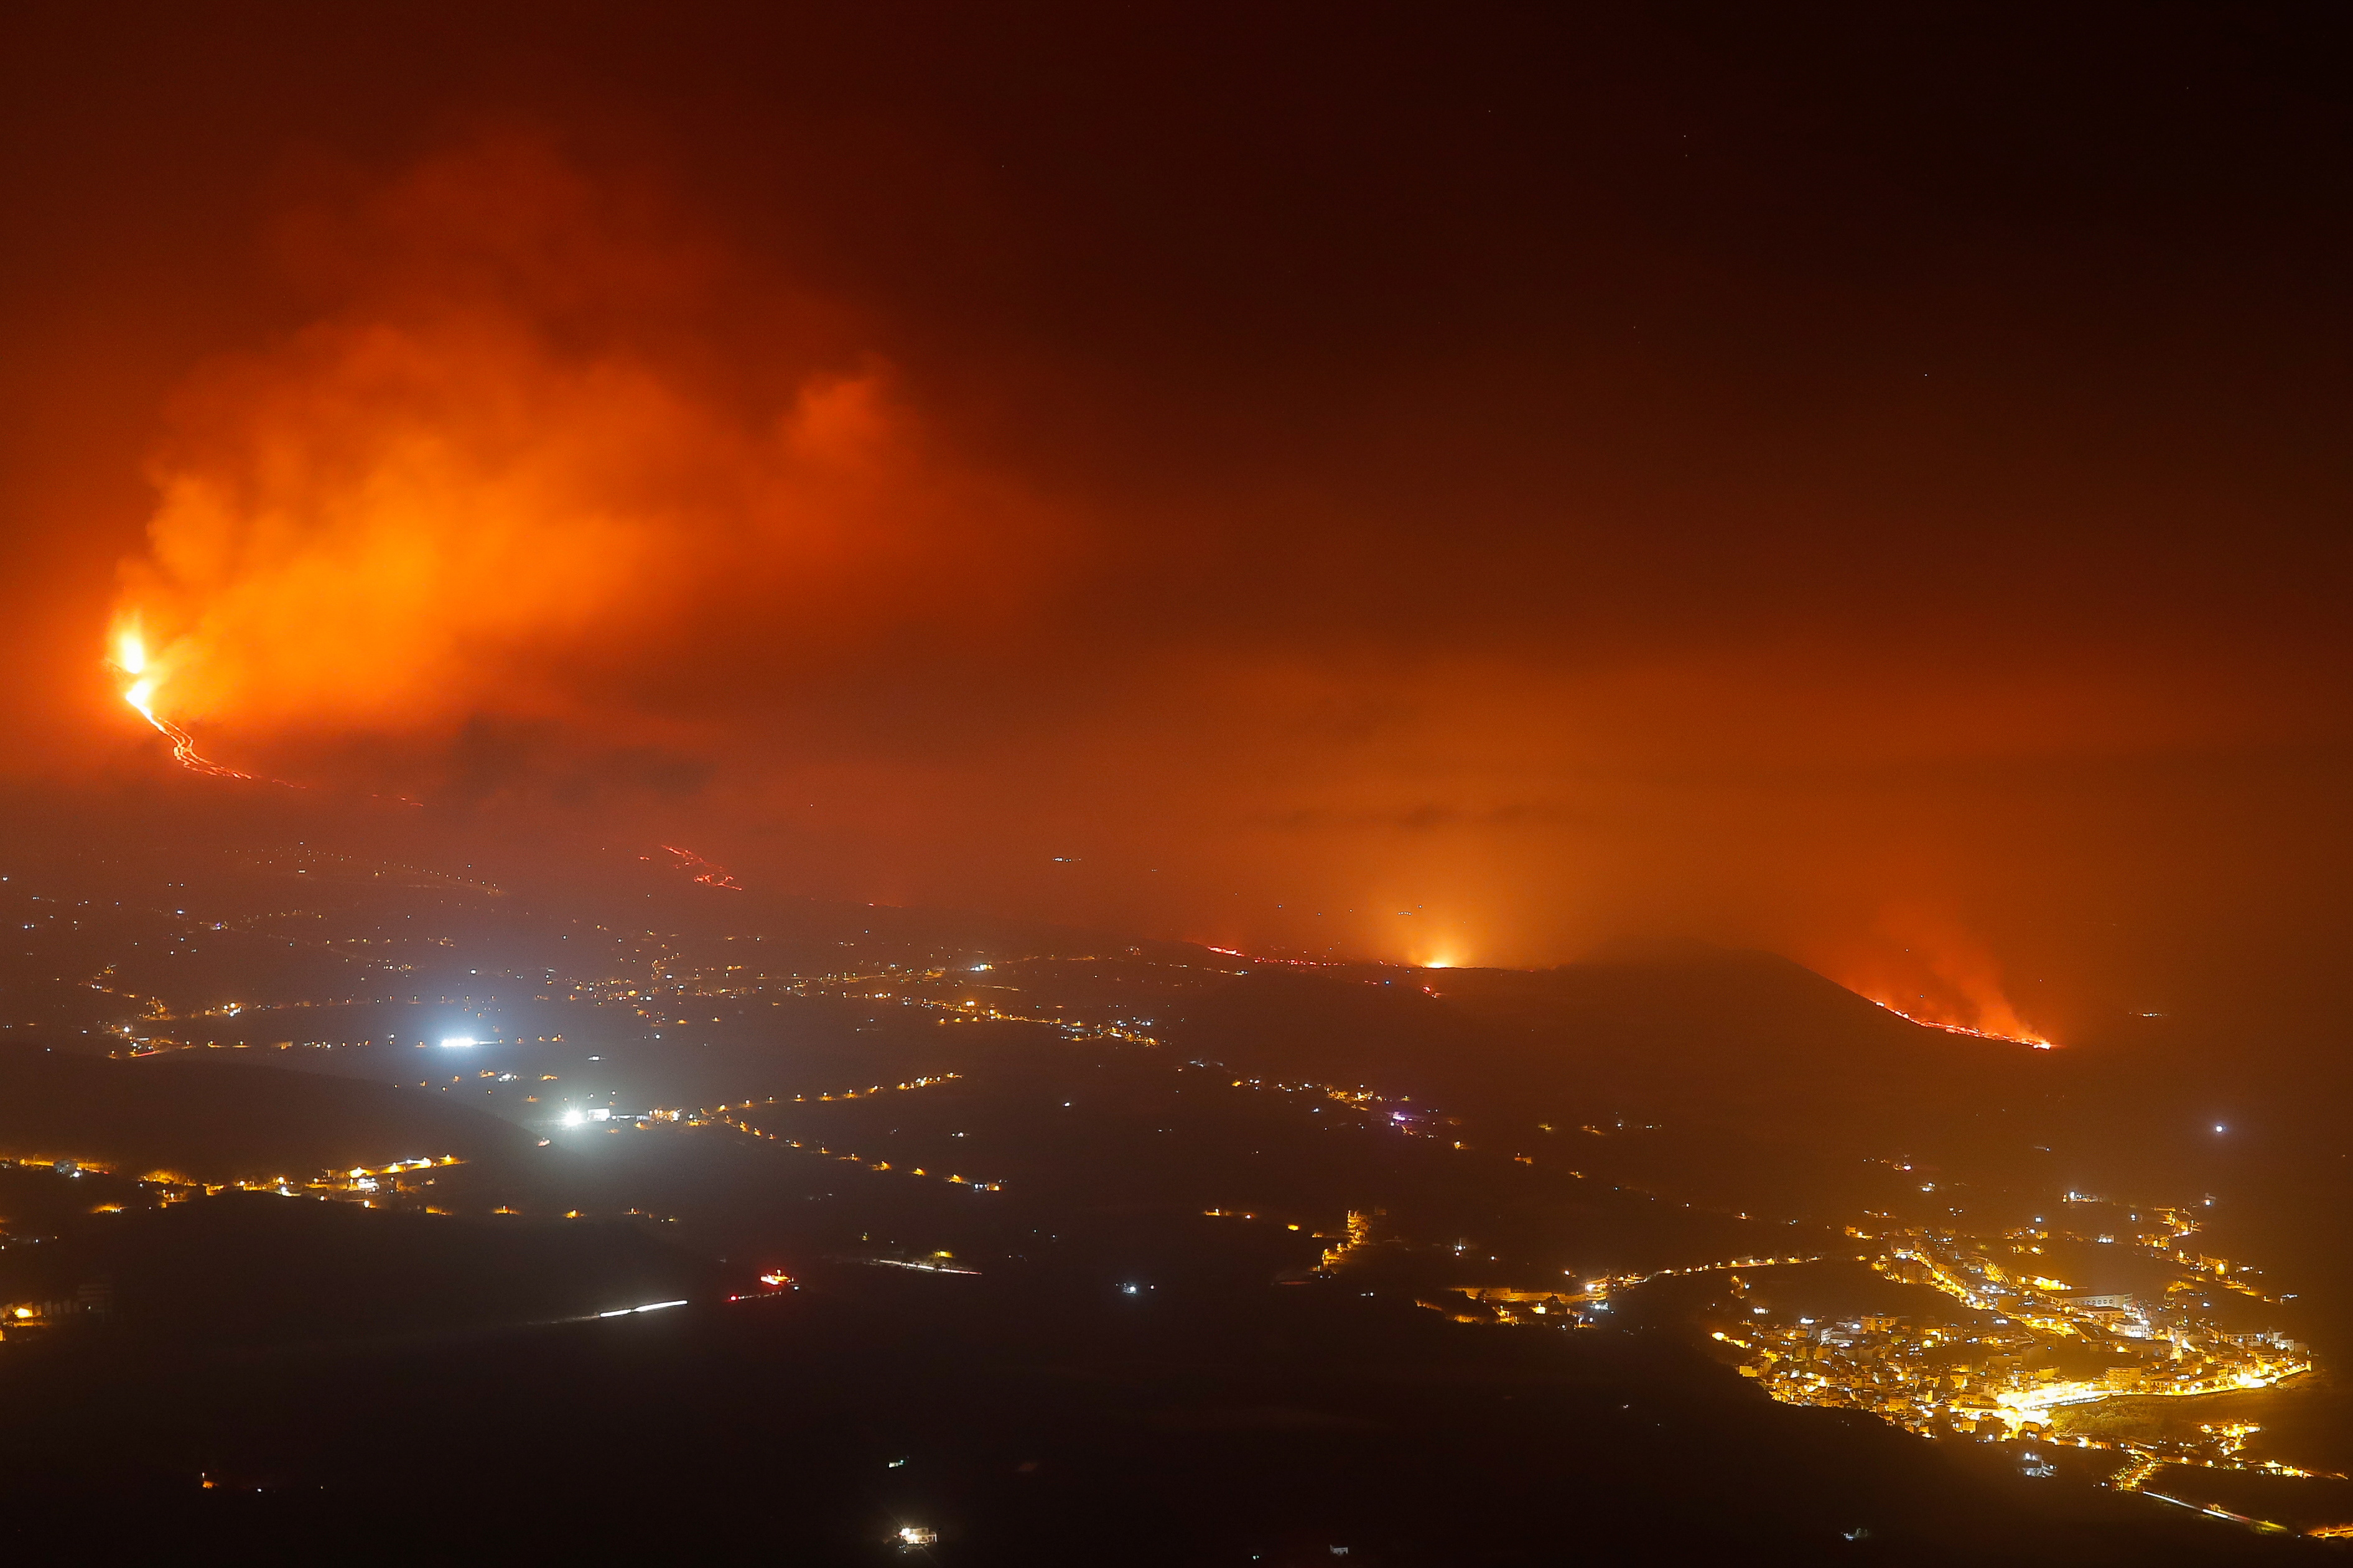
(482, 530)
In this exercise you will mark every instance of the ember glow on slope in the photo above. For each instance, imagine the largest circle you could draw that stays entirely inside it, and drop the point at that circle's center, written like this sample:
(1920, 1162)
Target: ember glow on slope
(2039, 1045)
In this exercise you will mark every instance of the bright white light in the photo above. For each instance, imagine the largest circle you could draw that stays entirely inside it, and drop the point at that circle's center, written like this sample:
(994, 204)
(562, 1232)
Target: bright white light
(575, 1118)
(2218, 1127)
(449, 1041)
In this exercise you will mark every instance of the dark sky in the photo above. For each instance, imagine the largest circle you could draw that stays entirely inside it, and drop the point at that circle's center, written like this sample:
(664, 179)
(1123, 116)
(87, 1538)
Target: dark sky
(1463, 484)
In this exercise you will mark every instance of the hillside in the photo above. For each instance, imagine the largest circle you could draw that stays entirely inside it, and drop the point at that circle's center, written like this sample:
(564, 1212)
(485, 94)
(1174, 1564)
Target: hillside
(221, 1122)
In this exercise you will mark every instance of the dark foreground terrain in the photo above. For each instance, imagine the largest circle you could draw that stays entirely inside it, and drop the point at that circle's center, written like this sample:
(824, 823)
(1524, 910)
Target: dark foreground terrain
(349, 1212)
(1025, 1420)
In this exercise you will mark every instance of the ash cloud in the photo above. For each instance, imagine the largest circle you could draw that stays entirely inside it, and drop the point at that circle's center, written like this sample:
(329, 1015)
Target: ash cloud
(502, 477)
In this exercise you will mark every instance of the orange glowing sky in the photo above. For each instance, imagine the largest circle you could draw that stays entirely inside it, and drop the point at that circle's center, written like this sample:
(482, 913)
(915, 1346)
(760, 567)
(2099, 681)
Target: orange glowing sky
(1479, 522)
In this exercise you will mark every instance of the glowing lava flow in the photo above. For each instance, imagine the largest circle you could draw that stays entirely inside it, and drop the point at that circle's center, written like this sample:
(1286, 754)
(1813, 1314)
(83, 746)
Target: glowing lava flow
(1965, 1029)
(1294, 963)
(131, 657)
(710, 874)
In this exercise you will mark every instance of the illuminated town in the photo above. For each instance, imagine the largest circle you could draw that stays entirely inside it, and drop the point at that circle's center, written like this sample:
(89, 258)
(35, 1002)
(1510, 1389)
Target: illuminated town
(2031, 1347)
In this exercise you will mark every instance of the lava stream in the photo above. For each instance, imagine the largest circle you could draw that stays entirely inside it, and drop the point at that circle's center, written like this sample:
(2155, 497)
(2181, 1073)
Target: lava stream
(131, 657)
(710, 874)
(1964, 1029)
(183, 746)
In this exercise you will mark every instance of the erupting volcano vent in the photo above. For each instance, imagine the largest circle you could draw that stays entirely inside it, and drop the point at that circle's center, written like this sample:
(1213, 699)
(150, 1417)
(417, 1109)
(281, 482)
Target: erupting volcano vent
(131, 657)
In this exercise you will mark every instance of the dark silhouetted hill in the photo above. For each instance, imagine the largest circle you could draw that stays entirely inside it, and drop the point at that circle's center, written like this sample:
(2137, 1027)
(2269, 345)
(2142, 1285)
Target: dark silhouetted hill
(255, 1266)
(1703, 1032)
(221, 1122)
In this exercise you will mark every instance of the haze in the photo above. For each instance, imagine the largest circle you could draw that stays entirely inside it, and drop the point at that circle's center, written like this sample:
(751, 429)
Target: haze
(1329, 483)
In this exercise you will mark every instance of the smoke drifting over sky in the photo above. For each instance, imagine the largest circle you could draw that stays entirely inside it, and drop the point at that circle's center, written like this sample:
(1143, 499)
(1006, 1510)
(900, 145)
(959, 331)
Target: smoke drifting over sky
(1455, 497)
(481, 488)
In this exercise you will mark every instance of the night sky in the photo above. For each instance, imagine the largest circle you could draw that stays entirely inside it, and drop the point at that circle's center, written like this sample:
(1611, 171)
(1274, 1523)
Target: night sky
(1463, 484)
